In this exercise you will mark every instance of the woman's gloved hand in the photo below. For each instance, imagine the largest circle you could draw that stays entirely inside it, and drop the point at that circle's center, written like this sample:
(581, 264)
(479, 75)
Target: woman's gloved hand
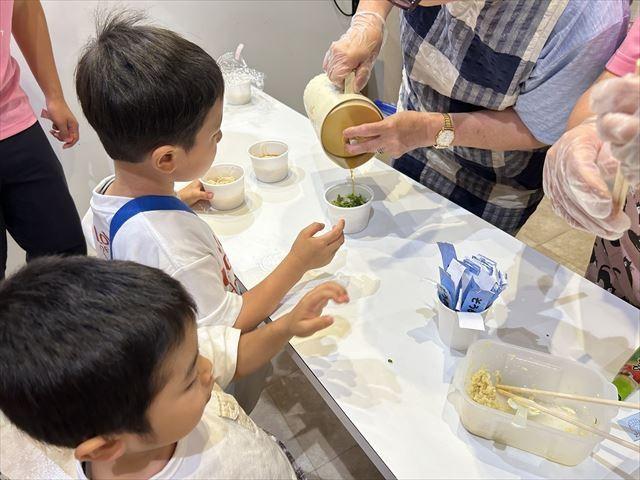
(357, 50)
(617, 104)
(575, 173)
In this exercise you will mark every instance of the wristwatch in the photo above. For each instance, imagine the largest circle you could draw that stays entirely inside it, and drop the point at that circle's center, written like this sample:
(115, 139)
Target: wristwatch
(444, 138)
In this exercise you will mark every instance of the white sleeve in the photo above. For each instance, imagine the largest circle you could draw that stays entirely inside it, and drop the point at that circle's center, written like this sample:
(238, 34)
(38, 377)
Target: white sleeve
(87, 229)
(220, 345)
(203, 280)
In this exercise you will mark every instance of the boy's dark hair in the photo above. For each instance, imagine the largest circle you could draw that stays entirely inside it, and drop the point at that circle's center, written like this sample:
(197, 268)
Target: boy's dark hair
(142, 86)
(82, 345)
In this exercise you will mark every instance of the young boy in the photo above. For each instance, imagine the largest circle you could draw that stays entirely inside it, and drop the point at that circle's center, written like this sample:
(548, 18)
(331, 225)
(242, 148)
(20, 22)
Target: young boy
(155, 100)
(103, 357)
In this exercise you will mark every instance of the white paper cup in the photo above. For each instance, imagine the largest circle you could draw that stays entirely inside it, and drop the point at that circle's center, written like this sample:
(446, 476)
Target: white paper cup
(270, 160)
(356, 219)
(450, 332)
(226, 196)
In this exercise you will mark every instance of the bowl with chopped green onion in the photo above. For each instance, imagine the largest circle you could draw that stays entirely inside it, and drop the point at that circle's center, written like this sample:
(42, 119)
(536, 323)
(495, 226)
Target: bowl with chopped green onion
(351, 202)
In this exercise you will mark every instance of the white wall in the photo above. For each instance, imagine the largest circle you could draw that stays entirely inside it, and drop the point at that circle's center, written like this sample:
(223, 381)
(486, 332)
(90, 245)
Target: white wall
(286, 39)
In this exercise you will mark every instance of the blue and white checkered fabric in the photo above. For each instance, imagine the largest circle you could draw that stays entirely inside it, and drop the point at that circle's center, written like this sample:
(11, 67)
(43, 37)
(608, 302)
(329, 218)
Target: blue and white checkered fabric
(471, 56)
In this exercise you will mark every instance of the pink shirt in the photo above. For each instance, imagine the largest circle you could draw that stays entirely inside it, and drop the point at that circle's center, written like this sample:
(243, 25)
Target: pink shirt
(624, 60)
(615, 266)
(16, 113)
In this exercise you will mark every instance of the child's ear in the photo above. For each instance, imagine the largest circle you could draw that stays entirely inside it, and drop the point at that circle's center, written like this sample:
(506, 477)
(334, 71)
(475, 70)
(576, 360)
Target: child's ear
(100, 449)
(165, 159)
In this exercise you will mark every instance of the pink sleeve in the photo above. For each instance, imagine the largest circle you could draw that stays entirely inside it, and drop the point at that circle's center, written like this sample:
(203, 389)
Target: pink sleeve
(624, 60)
(15, 111)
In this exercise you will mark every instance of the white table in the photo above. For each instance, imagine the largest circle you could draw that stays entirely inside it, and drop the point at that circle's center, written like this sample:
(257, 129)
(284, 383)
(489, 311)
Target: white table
(381, 367)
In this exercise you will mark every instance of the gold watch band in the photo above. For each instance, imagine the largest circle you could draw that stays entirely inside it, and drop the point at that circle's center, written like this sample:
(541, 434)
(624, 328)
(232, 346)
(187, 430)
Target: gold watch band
(448, 122)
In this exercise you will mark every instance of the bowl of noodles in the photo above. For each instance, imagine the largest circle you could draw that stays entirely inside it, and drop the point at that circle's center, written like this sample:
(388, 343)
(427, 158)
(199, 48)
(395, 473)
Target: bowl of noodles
(226, 182)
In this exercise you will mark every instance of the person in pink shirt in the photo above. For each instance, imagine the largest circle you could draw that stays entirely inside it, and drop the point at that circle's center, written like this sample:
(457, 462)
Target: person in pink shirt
(35, 205)
(604, 136)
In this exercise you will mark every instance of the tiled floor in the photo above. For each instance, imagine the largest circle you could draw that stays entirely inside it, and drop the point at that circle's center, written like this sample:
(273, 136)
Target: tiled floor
(551, 236)
(292, 410)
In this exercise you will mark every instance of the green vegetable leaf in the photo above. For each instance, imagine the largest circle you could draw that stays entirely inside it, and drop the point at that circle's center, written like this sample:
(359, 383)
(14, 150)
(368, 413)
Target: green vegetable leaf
(349, 201)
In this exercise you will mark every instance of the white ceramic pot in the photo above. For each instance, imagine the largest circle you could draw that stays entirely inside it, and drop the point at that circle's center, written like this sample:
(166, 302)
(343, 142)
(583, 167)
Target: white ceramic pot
(270, 160)
(356, 219)
(449, 329)
(226, 196)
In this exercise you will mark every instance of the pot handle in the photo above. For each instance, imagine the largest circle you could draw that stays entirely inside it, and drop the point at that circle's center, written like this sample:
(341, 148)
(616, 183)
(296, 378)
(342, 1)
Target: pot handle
(349, 83)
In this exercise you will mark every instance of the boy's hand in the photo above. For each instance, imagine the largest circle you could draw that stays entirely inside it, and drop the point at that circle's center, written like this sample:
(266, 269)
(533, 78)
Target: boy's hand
(305, 319)
(193, 193)
(315, 252)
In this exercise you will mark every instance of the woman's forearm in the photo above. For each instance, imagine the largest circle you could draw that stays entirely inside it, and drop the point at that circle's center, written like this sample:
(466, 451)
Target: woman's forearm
(381, 7)
(491, 130)
(29, 28)
(582, 109)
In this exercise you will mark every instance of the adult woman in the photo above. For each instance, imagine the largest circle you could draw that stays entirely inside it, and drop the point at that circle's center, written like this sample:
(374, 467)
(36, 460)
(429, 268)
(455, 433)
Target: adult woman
(495, 80)
(35, 205)
(586, 156)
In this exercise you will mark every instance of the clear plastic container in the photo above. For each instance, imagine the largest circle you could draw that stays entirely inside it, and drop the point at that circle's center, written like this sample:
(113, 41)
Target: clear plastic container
(238, 77)
(238, 91)
(522, 367)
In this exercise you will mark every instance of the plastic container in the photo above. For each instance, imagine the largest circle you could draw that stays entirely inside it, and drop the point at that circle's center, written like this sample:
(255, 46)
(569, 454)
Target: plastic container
(450, 332)
(238, 93)
(332, 111)
(226, 196)
(238, 77)
(528, 368)
(270, 160)
(356, 219)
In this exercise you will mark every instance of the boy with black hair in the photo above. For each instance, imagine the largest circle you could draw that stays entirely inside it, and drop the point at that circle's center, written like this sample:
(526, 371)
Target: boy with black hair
(155, 100)
(105, 357)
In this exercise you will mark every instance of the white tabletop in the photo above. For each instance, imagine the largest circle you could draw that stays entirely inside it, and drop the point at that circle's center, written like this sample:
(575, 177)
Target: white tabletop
(381, 365)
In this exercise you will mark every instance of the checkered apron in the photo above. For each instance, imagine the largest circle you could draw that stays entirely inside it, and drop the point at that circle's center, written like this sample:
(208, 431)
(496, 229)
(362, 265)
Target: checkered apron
(468, 56)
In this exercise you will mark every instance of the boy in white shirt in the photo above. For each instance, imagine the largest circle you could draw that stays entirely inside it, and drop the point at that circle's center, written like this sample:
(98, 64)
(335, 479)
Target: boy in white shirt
(111, 364)
(155, 100)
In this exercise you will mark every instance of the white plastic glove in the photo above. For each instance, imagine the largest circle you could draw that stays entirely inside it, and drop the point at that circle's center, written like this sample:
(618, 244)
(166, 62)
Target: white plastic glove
(617, 104)
(575, 173)
(357, 49)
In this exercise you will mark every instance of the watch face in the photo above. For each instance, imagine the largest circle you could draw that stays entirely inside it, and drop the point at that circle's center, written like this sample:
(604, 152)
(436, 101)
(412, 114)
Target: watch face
(445, 138)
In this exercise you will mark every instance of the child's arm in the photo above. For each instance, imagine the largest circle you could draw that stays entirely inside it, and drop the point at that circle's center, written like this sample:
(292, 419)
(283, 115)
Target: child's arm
(256, 348)
(308, 252)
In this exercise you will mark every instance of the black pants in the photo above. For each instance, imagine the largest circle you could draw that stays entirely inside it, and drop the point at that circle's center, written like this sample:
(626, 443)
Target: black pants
(35, 205)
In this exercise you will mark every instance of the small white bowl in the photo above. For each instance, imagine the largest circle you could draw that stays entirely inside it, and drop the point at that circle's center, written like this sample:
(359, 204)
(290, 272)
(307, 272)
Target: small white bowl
(270, 160)
(356, 219)
(226, 196)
